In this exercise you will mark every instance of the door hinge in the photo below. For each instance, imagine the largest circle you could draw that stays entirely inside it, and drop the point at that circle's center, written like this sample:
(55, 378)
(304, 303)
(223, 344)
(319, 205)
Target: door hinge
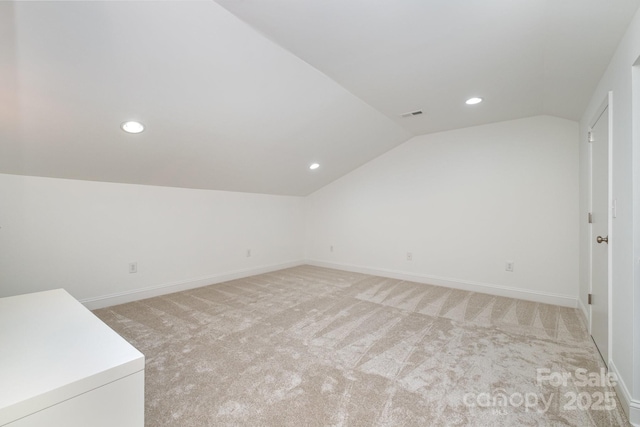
(589, 299)
(590, 218)
(589, 136)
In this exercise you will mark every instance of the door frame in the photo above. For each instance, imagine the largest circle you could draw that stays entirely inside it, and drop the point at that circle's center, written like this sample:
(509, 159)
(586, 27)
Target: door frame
(605, 105)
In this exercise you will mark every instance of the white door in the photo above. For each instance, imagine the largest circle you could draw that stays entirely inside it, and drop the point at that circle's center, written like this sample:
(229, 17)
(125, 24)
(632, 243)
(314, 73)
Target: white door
(600, 234)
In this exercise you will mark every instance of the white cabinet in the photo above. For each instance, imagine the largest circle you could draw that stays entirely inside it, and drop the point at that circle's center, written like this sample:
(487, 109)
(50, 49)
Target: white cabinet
(62, 366)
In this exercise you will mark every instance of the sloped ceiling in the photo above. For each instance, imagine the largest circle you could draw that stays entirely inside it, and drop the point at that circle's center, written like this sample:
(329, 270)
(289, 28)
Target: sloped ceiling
(524, 57)
(242, 95)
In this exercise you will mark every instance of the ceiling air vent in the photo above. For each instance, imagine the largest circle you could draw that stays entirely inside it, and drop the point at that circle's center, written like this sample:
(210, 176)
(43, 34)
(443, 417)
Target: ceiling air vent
(411, 113)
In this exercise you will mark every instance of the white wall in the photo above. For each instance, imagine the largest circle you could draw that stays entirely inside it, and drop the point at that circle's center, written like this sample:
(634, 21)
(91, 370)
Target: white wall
(81, 236)
(463, 202)
(625, 355)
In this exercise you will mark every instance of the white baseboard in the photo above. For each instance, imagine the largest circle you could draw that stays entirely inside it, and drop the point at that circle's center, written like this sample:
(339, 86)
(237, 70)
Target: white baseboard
(630, 406)
(499, 290)
(634, 413)
(168, 288)
(585, 314)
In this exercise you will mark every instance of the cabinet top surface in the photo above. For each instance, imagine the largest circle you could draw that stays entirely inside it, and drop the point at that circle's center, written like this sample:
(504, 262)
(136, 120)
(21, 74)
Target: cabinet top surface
(52, 348)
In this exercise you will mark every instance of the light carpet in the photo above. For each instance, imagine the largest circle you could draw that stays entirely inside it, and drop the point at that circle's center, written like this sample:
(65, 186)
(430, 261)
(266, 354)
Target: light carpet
(310, 346)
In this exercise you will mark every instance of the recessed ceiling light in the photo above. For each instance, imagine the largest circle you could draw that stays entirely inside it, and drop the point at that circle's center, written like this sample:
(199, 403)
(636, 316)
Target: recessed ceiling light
(313, 166)
(473, 101)
(132, 127)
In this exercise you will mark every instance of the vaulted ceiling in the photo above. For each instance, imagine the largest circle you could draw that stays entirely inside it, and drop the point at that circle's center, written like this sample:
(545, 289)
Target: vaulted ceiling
(243, 95)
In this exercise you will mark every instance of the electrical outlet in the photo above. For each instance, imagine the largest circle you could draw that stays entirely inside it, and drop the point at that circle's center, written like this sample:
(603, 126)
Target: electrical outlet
(248, 253)
(409, 256)
(133, 267)
(508, 266)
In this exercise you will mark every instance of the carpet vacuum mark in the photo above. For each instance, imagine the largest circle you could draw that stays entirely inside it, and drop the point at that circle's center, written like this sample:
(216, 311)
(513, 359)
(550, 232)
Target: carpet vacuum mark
(310, 346)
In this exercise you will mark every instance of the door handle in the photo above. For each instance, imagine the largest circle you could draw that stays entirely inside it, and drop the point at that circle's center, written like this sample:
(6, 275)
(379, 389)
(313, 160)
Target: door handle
(601, 239)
